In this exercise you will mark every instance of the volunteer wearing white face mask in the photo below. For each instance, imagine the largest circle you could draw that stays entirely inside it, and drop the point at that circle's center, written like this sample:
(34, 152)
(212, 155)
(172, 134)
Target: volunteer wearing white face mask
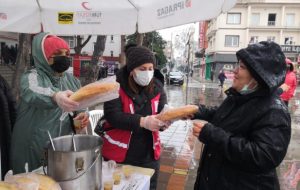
(131, 129)
(247, 136)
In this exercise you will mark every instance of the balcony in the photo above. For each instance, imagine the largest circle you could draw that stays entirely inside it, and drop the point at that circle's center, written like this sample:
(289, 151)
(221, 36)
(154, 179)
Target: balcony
(271, 23)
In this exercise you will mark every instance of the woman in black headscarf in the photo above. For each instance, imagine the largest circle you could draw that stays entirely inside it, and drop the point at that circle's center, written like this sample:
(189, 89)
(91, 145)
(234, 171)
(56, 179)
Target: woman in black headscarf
(7, 120)
(247, 137)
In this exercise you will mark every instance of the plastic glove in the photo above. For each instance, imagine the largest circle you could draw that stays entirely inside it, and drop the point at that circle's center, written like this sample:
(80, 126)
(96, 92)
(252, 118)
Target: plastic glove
(64, 102)
(151, 123)
(166, 125)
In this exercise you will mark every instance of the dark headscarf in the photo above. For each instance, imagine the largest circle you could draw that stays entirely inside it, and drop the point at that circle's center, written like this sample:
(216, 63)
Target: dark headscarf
(266, 63)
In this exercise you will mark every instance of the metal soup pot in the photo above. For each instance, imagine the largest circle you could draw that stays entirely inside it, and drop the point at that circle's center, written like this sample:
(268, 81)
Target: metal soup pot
(76, 170)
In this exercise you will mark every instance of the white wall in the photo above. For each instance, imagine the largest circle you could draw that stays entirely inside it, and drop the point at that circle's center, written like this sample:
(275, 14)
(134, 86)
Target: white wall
(114, 46)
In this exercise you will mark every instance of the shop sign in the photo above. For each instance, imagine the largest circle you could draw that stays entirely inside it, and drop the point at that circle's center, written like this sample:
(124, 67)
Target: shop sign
(290, 49)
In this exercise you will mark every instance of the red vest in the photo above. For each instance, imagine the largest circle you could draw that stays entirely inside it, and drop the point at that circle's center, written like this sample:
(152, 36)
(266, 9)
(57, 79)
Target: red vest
(116, 141)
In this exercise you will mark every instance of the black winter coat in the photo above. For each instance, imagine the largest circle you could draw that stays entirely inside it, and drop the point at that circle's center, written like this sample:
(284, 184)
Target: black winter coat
(141, 143)
(245, 140)
(7, 120)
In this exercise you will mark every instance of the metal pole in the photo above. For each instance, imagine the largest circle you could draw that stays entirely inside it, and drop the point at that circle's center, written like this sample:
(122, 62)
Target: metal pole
(171, 57)
(188, 71)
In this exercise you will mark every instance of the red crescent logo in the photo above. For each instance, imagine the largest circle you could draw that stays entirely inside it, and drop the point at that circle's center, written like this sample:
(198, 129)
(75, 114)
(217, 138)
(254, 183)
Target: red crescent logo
(84, 5)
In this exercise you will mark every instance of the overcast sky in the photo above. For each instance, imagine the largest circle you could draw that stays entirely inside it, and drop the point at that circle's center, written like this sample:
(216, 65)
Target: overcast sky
(167, 33)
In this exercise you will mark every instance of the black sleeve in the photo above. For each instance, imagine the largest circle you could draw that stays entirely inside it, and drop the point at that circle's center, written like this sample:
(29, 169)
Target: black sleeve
(279, 91)
(113, 113)
(12, 106)
(162, 101)
(261, 150)
(11, 101)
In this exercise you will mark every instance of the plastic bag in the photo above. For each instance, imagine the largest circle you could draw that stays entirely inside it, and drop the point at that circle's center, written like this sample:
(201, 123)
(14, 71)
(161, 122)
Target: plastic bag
(32, 181)
(103, 97)
(7, 186)
(25, 181)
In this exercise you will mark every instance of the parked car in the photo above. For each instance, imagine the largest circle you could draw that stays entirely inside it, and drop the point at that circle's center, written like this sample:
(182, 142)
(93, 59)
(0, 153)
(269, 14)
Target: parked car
(175, 77)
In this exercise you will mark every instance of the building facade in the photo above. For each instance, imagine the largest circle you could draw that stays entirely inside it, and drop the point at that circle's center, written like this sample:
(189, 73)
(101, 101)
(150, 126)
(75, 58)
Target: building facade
(252, 21)
(8, 47)
(109, 59)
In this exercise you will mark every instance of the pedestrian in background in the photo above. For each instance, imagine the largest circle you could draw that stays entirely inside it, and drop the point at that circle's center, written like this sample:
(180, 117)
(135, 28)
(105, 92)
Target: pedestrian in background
(131, 128)
(222, 78)
(247, 136)
(44, 96)
(7, 119)
(290, 83)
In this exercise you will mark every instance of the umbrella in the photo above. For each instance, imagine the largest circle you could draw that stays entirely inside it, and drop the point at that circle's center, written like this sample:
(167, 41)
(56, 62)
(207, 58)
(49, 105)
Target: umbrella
(104, 17)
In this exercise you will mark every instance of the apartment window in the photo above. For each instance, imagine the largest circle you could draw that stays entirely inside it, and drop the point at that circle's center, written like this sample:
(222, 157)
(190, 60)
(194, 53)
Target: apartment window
(271, 19)
(255, 19)
(290, 19)
(232, 41)
(111, 53)
(71, 42)
(253, 40)
(233, 18)
(288, 41)
(111, 39)
(271, 38)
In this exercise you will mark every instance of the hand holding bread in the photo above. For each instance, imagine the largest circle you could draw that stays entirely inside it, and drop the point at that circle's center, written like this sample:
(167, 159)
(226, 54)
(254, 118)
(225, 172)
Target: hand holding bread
(93, 89)
(95, 93)
(178, 113)
(63, 101)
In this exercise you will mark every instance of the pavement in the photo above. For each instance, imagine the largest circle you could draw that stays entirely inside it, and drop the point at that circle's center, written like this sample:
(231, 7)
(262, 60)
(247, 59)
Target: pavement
(181, 150)
(180, 157)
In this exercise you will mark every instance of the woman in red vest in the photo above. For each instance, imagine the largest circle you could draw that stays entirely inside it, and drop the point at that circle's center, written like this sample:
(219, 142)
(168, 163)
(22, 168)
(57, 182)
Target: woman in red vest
(131, 129)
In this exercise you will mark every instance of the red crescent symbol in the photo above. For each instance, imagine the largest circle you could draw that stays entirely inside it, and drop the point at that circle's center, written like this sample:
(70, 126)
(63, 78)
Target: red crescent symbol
(83, 4)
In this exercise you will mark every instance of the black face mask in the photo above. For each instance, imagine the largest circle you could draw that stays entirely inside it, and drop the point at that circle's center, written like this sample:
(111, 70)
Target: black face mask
(60, 63)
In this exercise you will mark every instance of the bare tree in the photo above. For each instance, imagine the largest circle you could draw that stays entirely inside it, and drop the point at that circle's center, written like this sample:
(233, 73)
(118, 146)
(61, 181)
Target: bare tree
(139, 39)
(122, 54)
(22, 62)
(99, 47)
(80, 45)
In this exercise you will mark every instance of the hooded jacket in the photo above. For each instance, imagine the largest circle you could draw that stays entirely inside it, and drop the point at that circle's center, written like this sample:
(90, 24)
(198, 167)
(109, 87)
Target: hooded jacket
(141, 143)
(248, 135)
(7, 120)
(37, 112)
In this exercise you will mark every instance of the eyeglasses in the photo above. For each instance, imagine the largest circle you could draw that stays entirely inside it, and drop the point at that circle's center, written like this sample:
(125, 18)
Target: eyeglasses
(240, 65)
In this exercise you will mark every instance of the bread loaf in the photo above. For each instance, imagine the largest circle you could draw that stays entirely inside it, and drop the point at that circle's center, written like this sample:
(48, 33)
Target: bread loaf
(177, 113)
(32, 181)
(47, 183)
(7, 186)
(93, 89)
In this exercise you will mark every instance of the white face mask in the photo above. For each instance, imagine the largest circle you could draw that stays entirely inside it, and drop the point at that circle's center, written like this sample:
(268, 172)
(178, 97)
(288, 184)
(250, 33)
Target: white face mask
(246, 90)
(143, 78)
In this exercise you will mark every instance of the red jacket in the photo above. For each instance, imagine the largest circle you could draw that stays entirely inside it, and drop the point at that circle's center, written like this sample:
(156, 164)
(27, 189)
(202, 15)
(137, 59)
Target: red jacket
(116, 141)
(291, 81)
